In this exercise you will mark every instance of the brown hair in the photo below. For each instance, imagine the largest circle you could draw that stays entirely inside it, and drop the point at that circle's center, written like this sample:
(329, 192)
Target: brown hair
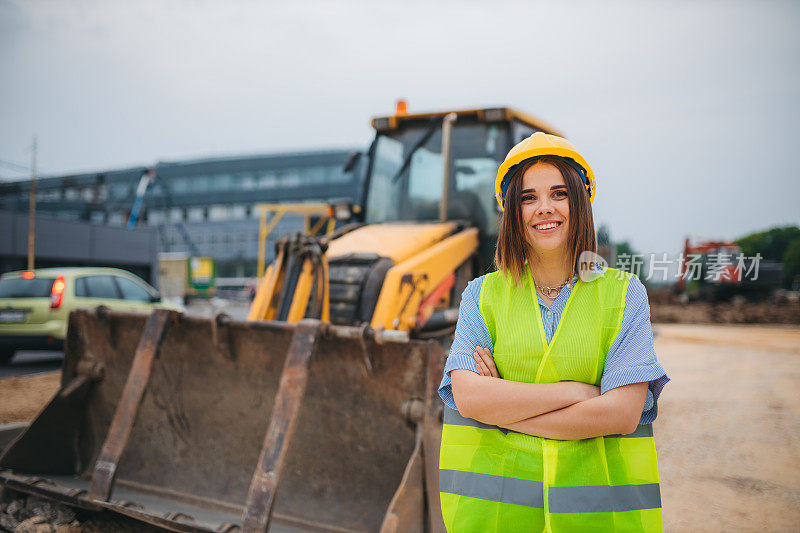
(513, 249)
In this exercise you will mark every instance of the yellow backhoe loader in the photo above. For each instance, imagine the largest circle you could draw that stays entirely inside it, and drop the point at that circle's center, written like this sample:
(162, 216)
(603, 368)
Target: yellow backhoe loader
(319, 413)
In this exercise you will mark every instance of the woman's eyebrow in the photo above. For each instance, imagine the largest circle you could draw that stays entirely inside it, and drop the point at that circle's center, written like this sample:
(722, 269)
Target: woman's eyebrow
(553, 188)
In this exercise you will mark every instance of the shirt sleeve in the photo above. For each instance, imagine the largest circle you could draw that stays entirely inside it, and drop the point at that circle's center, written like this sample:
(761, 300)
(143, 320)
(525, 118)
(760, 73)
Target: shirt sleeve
(470, 332)
(632, 357)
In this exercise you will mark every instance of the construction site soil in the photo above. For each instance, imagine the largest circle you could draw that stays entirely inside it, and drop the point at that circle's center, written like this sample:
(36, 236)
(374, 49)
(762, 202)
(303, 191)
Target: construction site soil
(21, 398)
(737, 312)
(727, 434)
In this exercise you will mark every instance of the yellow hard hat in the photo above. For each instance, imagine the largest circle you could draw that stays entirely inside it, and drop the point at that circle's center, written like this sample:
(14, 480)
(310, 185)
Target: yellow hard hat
(537, 145)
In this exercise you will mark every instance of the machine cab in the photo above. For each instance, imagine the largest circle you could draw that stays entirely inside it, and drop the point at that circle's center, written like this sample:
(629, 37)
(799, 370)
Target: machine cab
(406, 175)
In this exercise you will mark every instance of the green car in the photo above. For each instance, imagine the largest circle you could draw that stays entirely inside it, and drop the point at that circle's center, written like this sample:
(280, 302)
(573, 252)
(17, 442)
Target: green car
(34, 305)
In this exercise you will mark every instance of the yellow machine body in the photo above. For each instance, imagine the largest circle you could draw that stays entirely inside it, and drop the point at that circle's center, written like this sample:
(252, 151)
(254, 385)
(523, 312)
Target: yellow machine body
(424, 255)
(398, 242)
(407, 284)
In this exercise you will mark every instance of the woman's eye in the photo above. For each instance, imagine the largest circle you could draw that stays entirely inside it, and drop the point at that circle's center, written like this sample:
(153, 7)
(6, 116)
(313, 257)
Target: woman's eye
(528, 197)
(560, 194)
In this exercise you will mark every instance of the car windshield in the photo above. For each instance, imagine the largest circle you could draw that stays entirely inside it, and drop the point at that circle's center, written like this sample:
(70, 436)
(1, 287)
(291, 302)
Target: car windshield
(26, 288)
(414, 191)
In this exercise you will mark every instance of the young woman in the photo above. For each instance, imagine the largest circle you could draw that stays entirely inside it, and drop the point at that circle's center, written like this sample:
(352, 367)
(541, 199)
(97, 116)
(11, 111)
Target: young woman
(552, 381)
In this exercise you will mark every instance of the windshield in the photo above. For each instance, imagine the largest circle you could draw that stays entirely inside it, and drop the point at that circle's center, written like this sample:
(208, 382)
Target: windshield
(415, 194)
(25, 288)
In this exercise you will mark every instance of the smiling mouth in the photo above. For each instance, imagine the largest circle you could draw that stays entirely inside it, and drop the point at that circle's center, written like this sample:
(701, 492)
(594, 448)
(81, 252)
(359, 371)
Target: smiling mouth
(548, 225)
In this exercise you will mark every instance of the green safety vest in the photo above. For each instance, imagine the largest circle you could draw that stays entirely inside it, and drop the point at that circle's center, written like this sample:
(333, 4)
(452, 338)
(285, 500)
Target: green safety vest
(492, 479)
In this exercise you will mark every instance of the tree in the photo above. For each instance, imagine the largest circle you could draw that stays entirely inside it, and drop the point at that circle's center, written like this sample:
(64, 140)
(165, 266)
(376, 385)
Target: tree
(791, 263)
(603, 236)
(776, 244)
(630, 260)
(771, 244)
(624, 248)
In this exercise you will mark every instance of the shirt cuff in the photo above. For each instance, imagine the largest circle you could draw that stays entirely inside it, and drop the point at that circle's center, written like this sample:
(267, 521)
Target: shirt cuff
(653, 373)
(454, 362)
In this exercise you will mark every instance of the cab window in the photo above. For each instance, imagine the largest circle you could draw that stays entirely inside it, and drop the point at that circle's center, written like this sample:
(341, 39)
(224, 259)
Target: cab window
(99, 287)
(131, 290)
(80, 288)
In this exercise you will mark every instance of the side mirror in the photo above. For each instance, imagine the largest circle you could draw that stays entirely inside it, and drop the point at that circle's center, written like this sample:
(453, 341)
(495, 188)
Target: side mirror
(156, 298)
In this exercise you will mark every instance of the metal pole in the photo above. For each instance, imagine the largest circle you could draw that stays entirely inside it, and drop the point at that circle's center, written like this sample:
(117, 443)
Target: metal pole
(32, 208)
(447, 129)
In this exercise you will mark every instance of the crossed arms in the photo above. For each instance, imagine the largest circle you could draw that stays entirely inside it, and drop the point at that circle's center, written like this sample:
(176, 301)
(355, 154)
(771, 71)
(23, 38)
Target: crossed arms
(567, 410)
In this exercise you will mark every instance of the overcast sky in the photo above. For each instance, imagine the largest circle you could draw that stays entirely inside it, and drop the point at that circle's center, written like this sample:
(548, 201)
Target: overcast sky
(687, 111)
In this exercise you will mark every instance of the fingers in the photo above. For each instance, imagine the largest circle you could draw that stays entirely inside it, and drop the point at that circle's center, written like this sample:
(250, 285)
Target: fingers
(485, 362)
(488, 360)
(490, 363)
(483, 370)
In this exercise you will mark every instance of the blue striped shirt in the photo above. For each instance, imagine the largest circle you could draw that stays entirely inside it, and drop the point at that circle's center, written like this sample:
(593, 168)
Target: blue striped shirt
(631, 359)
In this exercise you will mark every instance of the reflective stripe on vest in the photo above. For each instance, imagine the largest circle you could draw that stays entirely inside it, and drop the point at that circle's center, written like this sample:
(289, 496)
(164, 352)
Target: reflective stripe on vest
(599, 499)
(493, 479)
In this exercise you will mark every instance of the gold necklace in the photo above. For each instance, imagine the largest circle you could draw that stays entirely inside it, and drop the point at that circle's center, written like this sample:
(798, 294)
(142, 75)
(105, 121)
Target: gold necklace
(551, 292)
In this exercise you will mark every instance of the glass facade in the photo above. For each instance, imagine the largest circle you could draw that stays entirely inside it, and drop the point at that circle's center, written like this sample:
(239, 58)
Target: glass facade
(204, 206)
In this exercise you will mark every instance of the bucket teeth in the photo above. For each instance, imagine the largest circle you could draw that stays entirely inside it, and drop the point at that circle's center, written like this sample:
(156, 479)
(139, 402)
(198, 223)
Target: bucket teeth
(178, 517)
(128, 504)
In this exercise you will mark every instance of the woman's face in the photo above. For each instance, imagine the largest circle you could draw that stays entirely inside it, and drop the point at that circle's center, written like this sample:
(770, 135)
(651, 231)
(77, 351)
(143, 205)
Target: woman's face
(545, 208)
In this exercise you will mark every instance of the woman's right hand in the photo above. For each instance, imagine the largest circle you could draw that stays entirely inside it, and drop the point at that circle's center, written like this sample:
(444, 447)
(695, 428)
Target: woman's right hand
(484, 362)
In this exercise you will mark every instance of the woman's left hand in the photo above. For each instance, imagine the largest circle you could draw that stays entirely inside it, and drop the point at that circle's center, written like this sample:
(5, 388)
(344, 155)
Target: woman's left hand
(484, 361)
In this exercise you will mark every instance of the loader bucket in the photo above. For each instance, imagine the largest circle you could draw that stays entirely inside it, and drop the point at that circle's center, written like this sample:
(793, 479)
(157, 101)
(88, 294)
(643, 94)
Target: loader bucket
(196, 424)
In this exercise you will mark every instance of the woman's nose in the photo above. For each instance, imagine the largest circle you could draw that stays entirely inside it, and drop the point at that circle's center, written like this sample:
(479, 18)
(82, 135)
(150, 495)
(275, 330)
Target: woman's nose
(544, 207)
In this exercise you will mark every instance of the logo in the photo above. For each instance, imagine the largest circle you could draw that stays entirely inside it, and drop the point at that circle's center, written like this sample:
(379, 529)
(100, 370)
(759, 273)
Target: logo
(591, 266)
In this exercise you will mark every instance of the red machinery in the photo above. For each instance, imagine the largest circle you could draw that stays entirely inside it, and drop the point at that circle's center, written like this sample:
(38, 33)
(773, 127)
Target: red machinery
(729, 272)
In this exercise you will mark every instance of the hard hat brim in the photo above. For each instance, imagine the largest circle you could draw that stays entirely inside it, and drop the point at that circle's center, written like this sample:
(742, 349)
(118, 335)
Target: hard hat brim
(505, 172)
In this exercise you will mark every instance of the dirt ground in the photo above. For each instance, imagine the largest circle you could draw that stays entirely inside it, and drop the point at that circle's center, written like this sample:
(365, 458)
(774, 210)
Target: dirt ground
(21, 398)
(737, 312)
(728, 429)
(727, 434)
